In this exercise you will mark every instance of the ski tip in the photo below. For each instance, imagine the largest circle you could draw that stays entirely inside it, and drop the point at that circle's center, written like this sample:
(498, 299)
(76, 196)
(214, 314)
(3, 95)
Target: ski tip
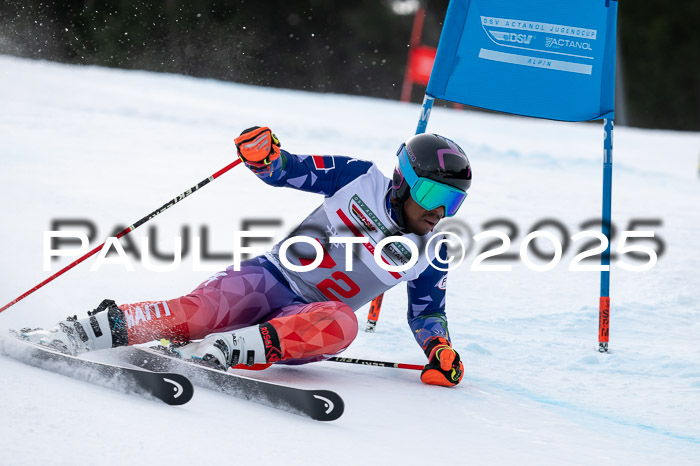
(328, 405)
(181, 389)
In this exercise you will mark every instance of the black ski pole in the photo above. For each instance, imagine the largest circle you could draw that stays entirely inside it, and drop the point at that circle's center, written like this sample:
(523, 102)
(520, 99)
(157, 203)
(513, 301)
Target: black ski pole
(367, 362)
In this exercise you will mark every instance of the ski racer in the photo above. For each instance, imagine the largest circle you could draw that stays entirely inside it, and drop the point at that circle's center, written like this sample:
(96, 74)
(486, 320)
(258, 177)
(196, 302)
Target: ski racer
(266, 313)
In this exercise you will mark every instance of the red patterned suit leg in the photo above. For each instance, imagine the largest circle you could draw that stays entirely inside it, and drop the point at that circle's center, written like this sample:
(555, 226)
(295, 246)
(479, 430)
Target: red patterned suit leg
(309, 332)
(181, 319)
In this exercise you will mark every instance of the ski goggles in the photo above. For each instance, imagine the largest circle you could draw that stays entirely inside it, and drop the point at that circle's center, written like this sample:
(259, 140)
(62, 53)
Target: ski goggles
(430, 194)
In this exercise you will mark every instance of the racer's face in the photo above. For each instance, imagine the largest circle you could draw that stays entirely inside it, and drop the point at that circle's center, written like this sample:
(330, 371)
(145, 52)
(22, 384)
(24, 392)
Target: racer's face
(418, 220)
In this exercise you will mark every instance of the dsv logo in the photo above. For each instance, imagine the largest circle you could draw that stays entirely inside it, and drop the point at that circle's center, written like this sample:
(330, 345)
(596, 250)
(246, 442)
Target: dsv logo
(512, 37)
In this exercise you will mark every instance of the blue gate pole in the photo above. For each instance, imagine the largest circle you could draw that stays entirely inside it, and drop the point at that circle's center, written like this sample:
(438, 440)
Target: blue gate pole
(604, 305)
(376, 305)
(425, 114)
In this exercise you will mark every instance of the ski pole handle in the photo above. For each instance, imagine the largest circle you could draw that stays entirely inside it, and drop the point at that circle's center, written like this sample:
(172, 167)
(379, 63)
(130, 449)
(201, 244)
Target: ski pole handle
(127, 230)
(367, 362)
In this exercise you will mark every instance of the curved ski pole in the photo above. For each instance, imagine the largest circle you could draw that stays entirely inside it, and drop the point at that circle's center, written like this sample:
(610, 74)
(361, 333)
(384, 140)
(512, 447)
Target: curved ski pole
(127, 230)
(367, 362)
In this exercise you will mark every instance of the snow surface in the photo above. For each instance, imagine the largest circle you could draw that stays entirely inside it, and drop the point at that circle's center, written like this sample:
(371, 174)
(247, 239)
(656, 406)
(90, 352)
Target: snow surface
(112, 145)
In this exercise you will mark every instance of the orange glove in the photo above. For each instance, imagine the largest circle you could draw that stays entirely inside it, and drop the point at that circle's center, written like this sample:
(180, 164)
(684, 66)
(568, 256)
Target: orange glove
(258, 147)
(444, 366)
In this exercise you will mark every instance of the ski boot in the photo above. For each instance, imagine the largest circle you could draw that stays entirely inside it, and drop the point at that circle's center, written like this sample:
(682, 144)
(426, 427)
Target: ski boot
(241, 349)
(100, 330)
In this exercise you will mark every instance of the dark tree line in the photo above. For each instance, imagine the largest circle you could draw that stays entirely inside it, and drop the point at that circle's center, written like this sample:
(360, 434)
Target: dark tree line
(660, 44)
(344, 46)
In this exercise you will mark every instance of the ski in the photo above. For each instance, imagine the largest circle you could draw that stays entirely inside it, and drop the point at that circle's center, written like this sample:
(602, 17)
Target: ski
(320, 405)
(173, 389)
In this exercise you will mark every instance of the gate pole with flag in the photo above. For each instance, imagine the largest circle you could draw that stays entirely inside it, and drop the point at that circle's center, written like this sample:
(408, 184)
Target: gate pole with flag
(538, 58)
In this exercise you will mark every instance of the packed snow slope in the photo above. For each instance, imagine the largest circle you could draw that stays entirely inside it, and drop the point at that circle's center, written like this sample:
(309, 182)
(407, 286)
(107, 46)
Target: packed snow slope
(110, 146)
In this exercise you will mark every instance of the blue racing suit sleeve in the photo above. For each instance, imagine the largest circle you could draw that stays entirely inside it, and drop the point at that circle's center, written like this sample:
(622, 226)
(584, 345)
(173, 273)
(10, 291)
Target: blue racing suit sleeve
(426, 303)
(322, 174)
